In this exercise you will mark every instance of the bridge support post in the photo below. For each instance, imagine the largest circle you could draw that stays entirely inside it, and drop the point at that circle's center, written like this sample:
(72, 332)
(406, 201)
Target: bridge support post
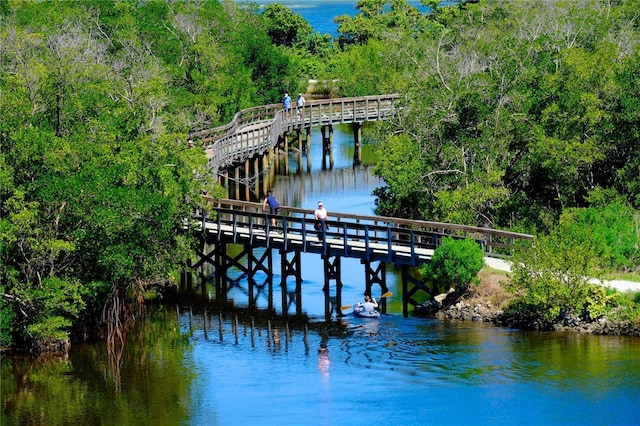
(186, 276)
(285, 148)
(256, 175)
(220, 254)
(247, 179)
(264, 167)
(357, 145)
(288, 268)
(327, 141)
(332, 271)
(236, 182)
(255, 264)
(224, 181)
(205, 258)
(407, 294)
(307, 147)
(271, 161)
(376, 276)
(220, 259)
(300, 149)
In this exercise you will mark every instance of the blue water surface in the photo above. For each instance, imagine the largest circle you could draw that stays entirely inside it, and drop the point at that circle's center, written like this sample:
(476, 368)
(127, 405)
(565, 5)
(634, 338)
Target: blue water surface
(320, 13)
(404, 371)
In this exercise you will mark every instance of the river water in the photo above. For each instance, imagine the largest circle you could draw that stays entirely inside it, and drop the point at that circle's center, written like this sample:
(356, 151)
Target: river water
(320, 13)
(194, 363)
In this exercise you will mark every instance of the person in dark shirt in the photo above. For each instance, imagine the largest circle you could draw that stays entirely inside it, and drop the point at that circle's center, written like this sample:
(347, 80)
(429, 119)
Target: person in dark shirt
(274, 207)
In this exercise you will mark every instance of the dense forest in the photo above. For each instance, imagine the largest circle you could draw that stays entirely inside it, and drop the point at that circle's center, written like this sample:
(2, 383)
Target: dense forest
(514, 115)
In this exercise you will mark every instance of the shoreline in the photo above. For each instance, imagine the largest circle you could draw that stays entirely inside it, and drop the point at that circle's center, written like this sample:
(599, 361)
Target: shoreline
(470, 306)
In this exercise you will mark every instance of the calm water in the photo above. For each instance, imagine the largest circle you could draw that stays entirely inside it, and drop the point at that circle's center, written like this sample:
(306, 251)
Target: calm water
(398, 371)
(192, 369)
(320, 13)
(194, 364)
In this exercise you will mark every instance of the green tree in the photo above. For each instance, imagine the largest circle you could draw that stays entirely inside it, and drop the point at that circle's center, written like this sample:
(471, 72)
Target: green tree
(98, 379)
(403, 195)
(552, 281)
(516, 110)
(97, 178)
(365, 70)
(377, 18)
(285, 27)
(613, 224)
(622, 165)
(272, 71)
(454, 264)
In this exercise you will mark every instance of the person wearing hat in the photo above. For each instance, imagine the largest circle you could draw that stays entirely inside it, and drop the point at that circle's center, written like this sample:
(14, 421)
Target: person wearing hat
(300, 101)
(286, 105)
(320, 215)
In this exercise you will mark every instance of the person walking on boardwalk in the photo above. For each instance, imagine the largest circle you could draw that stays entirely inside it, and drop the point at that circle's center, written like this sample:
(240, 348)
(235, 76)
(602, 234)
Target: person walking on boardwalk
(300, 101)
(286, 104)
(321, 215)
(274, 206)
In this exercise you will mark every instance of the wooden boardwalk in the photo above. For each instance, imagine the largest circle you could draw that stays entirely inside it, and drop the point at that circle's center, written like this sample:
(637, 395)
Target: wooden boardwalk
(375, 240)
(256, 131)
(370, 238)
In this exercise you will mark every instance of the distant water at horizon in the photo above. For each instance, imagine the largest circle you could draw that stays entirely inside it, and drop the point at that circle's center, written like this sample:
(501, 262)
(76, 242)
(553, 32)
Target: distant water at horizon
(320, 13)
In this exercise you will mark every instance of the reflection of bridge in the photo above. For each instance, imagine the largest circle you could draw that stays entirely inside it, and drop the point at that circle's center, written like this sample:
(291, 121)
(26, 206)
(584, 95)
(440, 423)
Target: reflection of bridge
(375, 240)
(328, 181)
(251, 142)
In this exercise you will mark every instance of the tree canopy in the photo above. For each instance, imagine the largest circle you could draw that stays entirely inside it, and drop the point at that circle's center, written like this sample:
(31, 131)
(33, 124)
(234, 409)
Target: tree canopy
(516, 111)
(515, 115)
(97, 177)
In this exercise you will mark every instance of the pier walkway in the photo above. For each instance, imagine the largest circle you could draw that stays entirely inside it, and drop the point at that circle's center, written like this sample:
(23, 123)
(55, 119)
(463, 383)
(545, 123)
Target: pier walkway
(254, 132)
(248, 143)
(375, 240)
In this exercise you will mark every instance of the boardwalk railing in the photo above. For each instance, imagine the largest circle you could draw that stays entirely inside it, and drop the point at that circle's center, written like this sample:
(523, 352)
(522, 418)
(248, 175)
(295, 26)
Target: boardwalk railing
(371, 238)
(254, 131)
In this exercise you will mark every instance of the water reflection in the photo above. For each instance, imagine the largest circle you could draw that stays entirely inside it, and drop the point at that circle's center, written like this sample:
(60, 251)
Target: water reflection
(201, 363)
(324, 363)
(397, 360)
(148, 381)
(177, 369)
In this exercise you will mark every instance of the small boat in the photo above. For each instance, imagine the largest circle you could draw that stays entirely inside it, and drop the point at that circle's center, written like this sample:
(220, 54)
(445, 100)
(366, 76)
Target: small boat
(358, 311)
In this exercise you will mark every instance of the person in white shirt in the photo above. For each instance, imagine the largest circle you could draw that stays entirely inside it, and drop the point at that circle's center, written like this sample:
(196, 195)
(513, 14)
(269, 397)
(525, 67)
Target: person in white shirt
(321, 212)
(300, 101)
(369, 303)
(320, 215)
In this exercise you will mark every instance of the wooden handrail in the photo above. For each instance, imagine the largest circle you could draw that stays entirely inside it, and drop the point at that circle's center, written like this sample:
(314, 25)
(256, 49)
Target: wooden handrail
(287, 210)
(256, 130)
(491, 239)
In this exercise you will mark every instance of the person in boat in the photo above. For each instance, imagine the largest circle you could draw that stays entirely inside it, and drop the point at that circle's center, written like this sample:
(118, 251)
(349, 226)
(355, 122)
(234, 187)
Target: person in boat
(369, 304)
